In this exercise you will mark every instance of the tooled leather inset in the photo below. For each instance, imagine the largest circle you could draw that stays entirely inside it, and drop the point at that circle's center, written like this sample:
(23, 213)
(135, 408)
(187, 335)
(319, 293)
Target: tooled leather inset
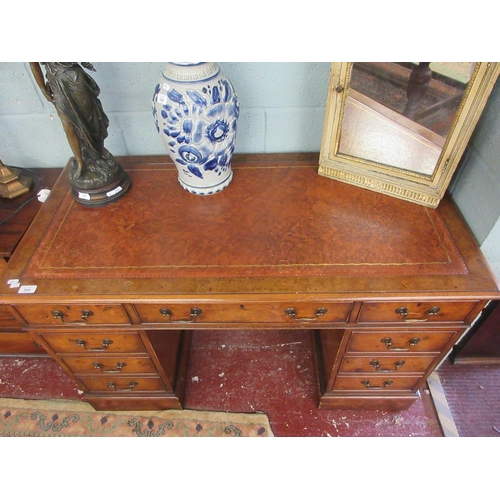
(271, 221)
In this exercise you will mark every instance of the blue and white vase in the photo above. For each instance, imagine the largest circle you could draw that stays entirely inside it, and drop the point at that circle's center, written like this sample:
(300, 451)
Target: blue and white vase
(196, 109)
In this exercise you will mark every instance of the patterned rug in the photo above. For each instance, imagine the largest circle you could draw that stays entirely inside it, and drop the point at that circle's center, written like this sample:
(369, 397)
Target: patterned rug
(51, 418)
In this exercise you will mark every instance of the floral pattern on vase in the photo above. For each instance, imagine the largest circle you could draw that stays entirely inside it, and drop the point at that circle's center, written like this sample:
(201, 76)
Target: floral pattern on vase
(196, 110)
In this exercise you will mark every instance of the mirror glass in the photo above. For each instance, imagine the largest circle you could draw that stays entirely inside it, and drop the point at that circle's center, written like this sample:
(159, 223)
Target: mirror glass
(400, 114)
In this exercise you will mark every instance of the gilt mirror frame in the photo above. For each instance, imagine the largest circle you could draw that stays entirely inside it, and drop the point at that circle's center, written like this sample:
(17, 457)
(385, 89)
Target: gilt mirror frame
(423, 189)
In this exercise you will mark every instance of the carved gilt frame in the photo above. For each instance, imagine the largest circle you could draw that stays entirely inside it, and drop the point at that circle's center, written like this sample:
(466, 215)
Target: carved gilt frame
(415, 187)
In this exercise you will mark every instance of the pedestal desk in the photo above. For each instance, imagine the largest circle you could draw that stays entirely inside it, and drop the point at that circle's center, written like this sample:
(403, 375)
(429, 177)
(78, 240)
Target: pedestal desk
(384, 286)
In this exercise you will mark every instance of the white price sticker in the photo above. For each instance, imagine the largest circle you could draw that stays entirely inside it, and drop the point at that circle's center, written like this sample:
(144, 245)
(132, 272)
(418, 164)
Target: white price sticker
(114, 191)
(162, 99)
(14, 283)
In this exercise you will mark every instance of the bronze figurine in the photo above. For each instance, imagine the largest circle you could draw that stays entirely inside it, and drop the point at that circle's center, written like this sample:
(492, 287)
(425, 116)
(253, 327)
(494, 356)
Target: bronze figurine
(95, 176)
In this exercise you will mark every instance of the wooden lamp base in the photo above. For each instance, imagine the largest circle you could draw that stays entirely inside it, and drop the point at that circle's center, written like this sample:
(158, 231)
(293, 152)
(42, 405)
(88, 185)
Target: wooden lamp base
(12, 183)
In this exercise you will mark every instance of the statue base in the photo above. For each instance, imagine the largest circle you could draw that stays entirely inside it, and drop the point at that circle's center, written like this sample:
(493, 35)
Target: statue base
(104, 195)
(102, 182)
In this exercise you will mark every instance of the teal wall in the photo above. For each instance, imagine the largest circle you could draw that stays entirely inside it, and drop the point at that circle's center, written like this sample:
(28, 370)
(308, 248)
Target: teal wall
(282, 110)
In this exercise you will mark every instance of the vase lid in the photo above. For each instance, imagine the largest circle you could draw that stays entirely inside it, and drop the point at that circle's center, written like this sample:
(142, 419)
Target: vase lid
(190, 71)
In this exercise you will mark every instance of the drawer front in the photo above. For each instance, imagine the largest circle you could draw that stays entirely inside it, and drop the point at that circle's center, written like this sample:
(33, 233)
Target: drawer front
(374, 383)
(121, 385)
(80, 315)
(386, 364)
(92, 343)
(7, 319)
(245, 312)
(415, 312)
(109, 365)
(19, 343)
(397, 341)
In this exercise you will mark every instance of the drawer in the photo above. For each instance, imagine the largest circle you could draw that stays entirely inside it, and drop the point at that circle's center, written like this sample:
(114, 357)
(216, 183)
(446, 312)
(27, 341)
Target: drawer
(123, 384)
(107, 365)
(19, 343)
(399, 341)
(78, 342)
(7, 319)
(75, 314)
(415, 312)
(245, 312)
(374, 383)
(386, 364)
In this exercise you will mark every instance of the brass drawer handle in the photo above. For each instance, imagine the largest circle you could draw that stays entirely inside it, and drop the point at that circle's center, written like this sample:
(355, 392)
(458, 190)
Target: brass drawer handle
(367, 384)
(105, 344)
(167, 313)
(86, 313)
(403, 312)
(291, 311)
(131, 387)
(411, 343)
(376, 364)
(103, 369)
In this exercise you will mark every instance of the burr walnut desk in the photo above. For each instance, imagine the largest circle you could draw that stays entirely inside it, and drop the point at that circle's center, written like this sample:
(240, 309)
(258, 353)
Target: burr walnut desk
(385, 287)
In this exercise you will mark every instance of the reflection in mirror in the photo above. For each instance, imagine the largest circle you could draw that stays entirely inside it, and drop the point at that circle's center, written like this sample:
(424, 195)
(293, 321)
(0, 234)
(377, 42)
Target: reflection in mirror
(400, 114)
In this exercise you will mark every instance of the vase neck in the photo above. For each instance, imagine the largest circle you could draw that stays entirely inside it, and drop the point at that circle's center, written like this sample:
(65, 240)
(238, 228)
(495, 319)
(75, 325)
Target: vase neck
(190, 72)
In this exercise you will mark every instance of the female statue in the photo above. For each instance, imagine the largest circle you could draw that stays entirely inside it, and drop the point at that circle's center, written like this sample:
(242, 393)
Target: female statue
(95, 176)
(75, 96)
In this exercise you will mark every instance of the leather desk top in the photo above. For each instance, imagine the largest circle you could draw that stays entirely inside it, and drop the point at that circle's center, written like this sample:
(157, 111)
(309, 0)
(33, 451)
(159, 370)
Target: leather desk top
(278, 228)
